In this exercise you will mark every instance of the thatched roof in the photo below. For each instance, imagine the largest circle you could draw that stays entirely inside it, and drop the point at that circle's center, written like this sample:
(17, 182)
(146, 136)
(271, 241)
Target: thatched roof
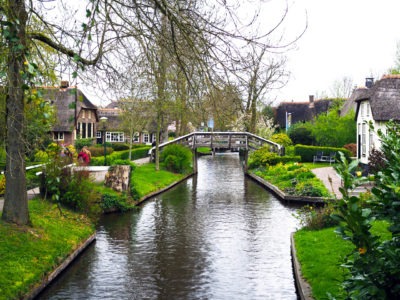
(301, 111)
(64, 100)
(384, 98)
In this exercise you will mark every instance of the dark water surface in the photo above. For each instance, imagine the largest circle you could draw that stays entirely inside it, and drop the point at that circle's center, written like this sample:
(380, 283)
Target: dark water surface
(218, 235)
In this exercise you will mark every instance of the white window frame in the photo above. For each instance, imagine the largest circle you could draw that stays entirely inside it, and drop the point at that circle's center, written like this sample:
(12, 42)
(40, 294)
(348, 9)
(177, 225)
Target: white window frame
(115, 137)
(145, 138)
(363, 139)
(58, 136)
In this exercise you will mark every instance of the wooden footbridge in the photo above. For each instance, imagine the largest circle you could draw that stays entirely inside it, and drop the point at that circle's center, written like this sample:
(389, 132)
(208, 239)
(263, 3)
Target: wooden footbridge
(233, 141)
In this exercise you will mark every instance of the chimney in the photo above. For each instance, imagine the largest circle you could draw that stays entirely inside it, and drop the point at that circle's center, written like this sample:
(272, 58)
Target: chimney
(369, 82)
(311, 99)
(64, 84)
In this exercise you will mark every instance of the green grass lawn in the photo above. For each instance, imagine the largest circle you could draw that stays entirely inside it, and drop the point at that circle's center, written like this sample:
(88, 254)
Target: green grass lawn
(293, 179)
(145, 179)
(29, 253)
(317, 165)
(321, 254)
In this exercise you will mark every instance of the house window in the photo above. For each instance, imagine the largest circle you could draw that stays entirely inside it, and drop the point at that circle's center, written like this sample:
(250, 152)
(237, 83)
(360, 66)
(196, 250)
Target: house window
(98, 134)
(89, 130)
(58, 136)
(83, 130)
(367, 108)
(136, 137)
(364, 139)
(153, 137)
(371, 139)
(89, 114)
(83, 113)
(115, 137)
(146, 138)
(362, 109)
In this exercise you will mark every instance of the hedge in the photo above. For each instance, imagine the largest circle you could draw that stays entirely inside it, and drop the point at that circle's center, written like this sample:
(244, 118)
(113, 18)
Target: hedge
(120, 155)
(307, 152)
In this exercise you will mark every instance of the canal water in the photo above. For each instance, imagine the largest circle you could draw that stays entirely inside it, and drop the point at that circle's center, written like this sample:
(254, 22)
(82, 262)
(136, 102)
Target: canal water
(218, 235)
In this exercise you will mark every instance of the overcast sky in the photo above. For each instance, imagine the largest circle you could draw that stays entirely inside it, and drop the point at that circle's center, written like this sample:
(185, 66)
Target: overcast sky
(353, 38)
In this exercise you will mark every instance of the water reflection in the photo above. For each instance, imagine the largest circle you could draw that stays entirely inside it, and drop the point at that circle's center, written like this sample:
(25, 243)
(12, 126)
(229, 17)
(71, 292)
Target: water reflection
(216, 236)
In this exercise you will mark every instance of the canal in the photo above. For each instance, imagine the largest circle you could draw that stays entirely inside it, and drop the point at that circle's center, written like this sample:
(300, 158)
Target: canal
(218, 235)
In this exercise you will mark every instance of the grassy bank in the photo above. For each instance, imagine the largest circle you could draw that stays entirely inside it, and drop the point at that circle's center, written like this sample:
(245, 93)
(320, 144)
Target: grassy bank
(146, 180)
(321, 254)
(293, 179)
(29, 253)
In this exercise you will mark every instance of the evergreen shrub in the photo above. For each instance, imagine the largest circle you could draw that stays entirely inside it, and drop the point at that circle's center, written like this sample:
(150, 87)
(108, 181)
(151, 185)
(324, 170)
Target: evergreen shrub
(177, 158)
(263, 157)
(80, 143)
(120, 155)
(97, 151)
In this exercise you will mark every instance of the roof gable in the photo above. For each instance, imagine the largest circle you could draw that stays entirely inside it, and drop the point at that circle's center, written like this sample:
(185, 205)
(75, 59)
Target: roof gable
(384, 98)
(64, 100)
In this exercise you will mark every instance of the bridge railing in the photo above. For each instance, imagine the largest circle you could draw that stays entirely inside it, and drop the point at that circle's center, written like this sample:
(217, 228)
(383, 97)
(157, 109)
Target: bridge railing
(222, 140)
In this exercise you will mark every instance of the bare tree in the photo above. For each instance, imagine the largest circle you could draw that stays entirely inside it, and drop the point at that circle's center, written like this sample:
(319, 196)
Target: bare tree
(342, 89)
(204, 36)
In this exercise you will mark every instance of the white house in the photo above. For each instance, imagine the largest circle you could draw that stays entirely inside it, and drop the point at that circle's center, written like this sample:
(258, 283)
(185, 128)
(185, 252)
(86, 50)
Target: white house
(377, 103)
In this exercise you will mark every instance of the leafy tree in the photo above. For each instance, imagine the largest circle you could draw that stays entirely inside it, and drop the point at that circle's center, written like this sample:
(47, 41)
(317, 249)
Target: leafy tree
(332, 130)
(301, 133)
(22, 72)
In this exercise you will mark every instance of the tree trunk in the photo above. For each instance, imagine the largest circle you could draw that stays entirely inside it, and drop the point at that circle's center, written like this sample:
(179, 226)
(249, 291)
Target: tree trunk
(15, 208)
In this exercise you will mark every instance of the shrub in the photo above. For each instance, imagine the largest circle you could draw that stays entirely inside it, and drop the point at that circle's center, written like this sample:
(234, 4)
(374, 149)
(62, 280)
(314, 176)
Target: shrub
(300, 134)
(97, 151)
(80, 143)
(177, 158)
(78, 192)
(352, 148)
(120, 146)
(2, 184)
(263, 157)
(120, 155)
(112, 200)
(316, 218)
(377, 161)
(281, 139)
(41, 156)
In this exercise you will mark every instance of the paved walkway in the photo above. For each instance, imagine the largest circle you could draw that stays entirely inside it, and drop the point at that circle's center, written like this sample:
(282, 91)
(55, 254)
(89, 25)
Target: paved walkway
(330, 178)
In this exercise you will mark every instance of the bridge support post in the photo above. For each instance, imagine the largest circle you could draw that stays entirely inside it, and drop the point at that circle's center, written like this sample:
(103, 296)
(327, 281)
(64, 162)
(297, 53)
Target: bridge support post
(245, 160)
(195, 157)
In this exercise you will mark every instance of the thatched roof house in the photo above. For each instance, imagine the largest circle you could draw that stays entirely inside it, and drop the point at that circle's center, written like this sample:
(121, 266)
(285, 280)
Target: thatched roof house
(76, 115)
(377, 104)
(301, 111)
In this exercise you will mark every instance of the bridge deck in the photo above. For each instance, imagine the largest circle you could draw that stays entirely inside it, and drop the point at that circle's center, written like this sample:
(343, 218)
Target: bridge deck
(223, 140)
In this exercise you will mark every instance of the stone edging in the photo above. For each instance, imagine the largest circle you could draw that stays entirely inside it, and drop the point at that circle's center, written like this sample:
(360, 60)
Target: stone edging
(148, 196)
(282, 195)
(49, 278)
(303, 288)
